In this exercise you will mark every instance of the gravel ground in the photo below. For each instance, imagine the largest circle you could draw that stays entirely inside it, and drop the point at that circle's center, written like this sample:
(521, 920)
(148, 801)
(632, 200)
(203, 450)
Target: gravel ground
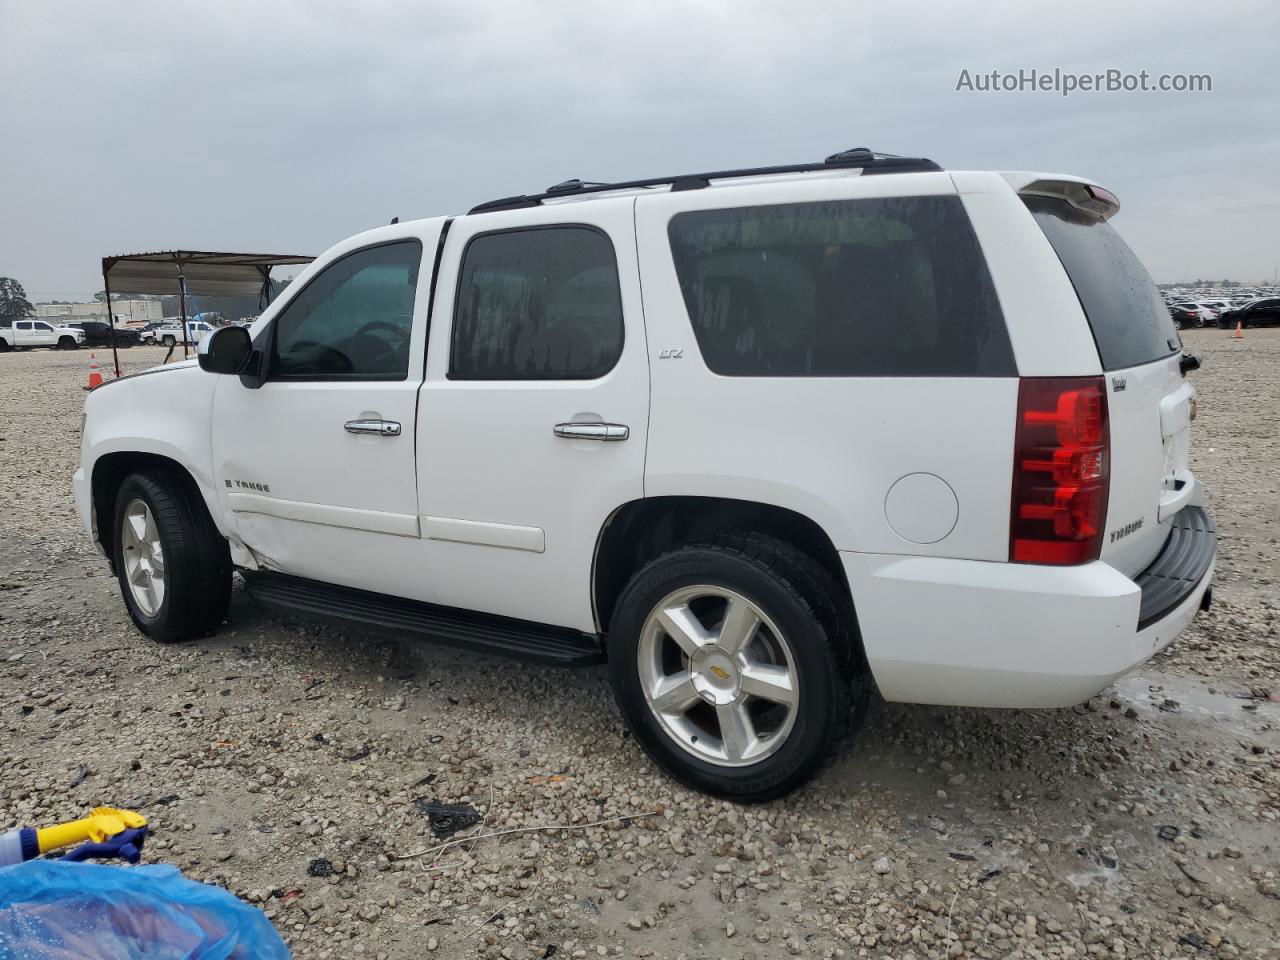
(1145, 823)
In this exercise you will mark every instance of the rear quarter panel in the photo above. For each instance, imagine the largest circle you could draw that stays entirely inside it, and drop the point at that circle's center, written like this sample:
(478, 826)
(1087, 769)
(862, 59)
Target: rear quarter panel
(828, 448)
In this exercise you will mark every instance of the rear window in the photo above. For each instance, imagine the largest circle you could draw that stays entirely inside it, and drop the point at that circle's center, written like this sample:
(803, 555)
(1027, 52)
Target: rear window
(1129, 320)
(892, 286)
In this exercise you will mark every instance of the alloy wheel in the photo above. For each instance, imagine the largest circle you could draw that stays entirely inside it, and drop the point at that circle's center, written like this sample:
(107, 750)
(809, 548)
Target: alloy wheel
(718, 675)
(143, 557)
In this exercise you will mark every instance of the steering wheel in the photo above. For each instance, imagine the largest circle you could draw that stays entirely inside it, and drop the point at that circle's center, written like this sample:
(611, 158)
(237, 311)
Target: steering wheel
(323, 357)
(379, 325)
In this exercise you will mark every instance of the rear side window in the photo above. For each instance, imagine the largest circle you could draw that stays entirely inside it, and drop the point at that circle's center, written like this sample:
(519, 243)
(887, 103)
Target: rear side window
(1129, 320)
(891, 286)
(537, 304)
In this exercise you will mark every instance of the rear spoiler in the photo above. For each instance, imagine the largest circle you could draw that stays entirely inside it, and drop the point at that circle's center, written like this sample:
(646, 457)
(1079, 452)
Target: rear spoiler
(1087, 197)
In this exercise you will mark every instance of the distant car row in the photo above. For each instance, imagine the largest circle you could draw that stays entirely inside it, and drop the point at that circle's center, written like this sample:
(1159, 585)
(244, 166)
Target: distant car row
(1224, 314)
(26, 334)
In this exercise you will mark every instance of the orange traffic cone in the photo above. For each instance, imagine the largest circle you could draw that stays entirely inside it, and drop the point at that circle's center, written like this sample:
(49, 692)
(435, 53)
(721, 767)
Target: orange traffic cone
(1239, 327)
(95, 375)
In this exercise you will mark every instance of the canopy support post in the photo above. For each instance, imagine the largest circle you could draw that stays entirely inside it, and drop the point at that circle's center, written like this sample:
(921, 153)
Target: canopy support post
(182, 301)
(111, 322)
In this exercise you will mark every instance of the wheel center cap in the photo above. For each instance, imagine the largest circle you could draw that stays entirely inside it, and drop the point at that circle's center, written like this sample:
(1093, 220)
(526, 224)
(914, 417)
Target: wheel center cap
(716, 676)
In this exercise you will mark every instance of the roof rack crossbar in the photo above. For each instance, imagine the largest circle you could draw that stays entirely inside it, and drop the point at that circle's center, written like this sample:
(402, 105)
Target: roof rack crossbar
(858, 157)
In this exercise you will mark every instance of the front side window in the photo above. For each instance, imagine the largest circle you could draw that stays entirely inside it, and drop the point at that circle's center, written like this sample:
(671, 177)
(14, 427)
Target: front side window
(43, 326)
(892, 286)
(537, 304)
(353, 320)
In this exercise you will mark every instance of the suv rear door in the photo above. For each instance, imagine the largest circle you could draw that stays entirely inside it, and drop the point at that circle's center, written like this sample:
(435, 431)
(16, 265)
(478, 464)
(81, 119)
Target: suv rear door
(533, 417)
(1149, 399)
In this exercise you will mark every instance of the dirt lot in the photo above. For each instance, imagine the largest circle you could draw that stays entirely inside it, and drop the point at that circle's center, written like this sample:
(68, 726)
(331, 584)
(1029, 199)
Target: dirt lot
(939, 833)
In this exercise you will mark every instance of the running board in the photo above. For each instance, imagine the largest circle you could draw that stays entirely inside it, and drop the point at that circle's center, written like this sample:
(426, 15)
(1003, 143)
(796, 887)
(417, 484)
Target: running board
(478, 632)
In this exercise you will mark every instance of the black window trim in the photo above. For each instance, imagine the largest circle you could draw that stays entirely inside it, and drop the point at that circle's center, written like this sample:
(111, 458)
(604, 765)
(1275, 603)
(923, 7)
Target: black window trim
(269, 335)
(457, 290)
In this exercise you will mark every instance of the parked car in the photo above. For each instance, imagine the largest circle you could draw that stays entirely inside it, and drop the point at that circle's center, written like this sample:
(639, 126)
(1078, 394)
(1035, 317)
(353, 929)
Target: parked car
(170, 334)
(1257, 313)
(1186, 315)
(98, 334)
(1204, 316)
(819, 452)
(25, 334)
(1217, 305)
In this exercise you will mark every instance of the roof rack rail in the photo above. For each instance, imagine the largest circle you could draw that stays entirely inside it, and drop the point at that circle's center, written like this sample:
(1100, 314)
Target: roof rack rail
(859, 157)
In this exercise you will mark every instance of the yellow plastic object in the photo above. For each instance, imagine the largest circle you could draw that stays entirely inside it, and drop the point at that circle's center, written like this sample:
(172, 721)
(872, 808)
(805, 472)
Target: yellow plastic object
(104, 822)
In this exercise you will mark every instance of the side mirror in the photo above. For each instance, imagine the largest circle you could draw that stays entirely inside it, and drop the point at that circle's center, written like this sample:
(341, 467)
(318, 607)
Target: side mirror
(226, 350)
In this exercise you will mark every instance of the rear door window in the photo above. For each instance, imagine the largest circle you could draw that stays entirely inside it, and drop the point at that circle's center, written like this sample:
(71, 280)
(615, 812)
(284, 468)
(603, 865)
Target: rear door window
(891, 286)
(540, 303)
(1126, 314)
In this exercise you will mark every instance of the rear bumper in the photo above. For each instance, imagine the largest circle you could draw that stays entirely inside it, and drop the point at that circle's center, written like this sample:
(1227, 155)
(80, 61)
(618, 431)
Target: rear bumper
(974, 633)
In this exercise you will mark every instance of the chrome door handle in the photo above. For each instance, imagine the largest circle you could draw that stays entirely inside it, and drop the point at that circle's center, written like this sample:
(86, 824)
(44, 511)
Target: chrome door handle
(592, 431)
(379, 428)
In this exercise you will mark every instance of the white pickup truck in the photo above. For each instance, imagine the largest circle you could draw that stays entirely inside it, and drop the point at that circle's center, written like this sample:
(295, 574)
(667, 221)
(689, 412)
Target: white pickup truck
(24, 334)
(170, 334)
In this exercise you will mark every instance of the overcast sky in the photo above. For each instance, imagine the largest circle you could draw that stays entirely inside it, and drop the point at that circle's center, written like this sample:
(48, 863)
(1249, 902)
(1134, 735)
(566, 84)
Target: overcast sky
(286, 126)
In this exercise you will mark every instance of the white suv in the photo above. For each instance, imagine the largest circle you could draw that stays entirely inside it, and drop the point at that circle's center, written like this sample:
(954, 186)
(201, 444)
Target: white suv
(757, 438)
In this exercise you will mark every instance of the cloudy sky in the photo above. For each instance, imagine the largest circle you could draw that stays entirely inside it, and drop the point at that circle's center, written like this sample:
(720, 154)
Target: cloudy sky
(284, 126)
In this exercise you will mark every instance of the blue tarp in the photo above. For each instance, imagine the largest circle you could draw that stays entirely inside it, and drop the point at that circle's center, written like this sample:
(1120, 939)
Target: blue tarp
(53, 910)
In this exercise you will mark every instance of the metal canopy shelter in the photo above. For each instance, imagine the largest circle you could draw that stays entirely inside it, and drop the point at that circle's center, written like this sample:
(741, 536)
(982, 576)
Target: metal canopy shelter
(198, 272)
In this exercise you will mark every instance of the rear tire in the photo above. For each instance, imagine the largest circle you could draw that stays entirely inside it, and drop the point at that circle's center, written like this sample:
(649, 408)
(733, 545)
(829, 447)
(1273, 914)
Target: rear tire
(174, 536)
(801, 632)
(4, 346)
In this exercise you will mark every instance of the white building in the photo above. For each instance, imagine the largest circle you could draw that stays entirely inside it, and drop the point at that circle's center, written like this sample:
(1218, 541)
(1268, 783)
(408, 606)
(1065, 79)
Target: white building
(126, 311)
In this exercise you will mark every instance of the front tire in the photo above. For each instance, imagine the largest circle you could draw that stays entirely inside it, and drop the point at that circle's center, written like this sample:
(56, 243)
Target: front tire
(67, 343)
(173, 565)
(735, 666)
(169, 341)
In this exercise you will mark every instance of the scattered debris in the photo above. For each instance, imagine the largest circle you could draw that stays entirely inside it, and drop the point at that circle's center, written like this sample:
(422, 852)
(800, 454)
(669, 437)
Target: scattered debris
(320, 867)
(446, 819)
(1168, 832)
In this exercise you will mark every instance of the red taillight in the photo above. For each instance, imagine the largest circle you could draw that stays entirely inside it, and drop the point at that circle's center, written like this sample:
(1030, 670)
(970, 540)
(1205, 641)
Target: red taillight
(1061, 470)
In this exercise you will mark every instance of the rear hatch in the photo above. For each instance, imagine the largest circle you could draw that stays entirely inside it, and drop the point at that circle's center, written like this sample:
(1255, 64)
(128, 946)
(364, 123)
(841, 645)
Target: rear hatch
(1149, 400)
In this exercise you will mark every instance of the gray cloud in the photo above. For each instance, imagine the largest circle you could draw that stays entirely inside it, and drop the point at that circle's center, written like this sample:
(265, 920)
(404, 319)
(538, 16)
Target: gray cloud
(286, 126)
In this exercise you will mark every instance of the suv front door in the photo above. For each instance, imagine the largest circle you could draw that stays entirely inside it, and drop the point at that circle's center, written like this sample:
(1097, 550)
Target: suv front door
(534, 414)
(316, 468)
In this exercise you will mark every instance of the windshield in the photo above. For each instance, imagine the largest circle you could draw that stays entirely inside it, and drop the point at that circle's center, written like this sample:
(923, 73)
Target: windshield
(1130, 323)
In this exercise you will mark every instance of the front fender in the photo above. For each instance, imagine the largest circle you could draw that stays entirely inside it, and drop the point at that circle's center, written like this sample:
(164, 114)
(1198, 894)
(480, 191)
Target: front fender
(165, 412)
